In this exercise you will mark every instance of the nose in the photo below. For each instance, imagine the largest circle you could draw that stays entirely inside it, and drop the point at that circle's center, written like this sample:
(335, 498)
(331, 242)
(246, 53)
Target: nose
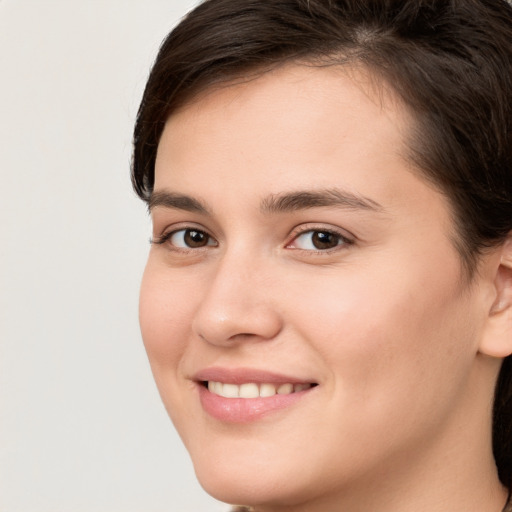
(237, 305)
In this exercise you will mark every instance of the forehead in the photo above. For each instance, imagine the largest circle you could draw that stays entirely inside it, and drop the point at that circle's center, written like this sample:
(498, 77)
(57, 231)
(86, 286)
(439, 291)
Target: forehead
(277, 88)
(294, 117)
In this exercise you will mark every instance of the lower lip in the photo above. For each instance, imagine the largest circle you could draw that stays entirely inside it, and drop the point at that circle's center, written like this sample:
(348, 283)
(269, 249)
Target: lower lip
(245, 410)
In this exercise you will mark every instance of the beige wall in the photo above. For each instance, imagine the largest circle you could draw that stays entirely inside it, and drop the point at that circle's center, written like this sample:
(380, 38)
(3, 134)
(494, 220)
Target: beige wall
(81, 425)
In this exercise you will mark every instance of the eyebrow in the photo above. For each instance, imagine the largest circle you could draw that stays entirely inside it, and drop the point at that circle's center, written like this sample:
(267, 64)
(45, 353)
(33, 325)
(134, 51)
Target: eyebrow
(302, 200)
(274, 203)
(176, 202)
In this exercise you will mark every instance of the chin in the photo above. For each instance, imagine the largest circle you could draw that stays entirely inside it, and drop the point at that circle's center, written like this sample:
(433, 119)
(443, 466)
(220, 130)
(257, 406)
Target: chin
(238, 482)
(250, 480)
(259, 475)
(250, 491)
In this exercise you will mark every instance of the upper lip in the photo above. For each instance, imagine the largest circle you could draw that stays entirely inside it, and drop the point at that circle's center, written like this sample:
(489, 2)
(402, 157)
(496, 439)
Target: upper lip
(245, 375)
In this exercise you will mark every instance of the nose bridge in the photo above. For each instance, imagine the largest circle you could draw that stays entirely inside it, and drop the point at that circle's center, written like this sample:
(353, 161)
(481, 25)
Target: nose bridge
(237, 303)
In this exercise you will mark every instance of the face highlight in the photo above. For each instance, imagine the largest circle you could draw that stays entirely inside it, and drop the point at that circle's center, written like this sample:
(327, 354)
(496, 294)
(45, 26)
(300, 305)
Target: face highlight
(303, 306)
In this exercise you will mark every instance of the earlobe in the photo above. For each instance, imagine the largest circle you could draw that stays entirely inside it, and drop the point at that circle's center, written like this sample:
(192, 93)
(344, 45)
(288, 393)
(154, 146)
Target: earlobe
(497, 340)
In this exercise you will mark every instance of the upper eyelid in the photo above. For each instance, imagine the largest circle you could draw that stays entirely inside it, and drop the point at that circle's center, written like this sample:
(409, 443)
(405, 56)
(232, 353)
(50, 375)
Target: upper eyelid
(169, 231)
(295, 232)
(178, 226)
(311, 227)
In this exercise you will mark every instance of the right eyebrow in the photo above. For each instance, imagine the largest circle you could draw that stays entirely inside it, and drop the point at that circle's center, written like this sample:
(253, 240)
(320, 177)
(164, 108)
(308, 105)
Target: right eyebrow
(177, 202)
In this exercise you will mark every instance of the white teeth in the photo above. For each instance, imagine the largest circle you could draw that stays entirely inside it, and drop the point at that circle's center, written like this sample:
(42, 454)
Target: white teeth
(230, 390)
(249, 391)
(285, 389)
(252, 390)
(267, 390)
(215, 387)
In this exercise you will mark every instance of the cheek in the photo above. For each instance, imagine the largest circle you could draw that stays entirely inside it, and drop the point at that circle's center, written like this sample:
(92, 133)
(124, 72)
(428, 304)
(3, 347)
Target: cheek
(390, 340)
(397, 355)
(165, 317)
(165, 313)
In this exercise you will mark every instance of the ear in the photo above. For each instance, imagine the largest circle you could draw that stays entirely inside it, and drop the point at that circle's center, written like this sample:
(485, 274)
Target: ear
(497, 339)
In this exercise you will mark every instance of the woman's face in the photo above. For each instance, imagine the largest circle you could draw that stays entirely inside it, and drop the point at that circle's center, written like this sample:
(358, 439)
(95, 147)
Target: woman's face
(303, 269)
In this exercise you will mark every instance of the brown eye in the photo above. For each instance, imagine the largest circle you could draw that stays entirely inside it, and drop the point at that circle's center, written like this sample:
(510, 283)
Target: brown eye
(324, 240)
(190, 239)
(317, 240)
(194, 238)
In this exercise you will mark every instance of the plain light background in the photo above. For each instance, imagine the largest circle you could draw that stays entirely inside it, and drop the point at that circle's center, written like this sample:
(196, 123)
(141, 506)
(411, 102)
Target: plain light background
(81, 424)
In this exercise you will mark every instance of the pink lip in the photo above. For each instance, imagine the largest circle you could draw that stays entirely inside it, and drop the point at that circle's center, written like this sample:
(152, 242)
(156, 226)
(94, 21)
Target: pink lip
(245, 410)
(243, 375)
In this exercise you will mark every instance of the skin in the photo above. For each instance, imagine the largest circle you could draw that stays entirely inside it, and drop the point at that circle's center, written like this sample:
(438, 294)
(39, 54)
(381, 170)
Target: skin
(404, 350)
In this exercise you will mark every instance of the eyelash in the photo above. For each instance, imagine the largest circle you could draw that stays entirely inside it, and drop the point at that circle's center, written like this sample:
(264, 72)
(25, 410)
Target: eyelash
(163, 239)
(343, 240)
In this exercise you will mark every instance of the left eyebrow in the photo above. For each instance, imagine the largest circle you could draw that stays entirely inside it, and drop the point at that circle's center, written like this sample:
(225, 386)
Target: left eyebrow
(304, 199)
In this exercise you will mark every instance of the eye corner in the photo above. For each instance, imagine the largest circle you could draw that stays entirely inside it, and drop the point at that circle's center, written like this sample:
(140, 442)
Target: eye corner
(158, 240)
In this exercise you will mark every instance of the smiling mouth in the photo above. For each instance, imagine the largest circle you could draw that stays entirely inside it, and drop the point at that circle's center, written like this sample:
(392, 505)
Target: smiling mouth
(254, 390)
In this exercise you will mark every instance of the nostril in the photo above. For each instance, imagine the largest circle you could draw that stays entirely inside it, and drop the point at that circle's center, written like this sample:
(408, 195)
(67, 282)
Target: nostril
(242, 336)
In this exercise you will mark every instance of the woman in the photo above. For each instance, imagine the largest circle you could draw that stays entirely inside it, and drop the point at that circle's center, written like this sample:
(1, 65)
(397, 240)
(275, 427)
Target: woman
(327, 304)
